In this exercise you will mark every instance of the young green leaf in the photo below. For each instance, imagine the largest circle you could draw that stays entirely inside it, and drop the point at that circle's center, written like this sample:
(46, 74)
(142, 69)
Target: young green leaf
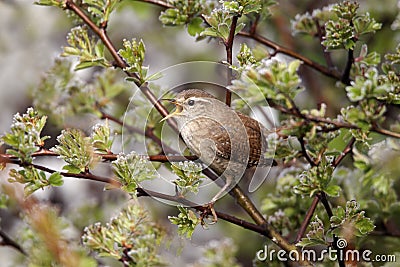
(186, 221)
(89, 51)
(75, 149)
(131, 170)
(351, 217)
(131, 232)
(25, 137)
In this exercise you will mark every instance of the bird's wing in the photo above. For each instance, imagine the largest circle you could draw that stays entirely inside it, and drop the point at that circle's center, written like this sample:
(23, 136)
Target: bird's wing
(223, 146)
(238, 151)
(257, 138)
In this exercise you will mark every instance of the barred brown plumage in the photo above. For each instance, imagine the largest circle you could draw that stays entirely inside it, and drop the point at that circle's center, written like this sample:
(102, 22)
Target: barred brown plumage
(226, 140)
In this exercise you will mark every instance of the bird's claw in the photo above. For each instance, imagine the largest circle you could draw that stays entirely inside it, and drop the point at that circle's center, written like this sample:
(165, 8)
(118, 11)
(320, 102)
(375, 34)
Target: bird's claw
(209, 210)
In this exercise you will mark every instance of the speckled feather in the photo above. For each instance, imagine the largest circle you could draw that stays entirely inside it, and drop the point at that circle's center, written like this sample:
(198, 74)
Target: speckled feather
(256, 134)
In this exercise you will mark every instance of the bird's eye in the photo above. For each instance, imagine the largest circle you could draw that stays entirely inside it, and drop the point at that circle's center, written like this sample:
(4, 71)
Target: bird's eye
(191, 102)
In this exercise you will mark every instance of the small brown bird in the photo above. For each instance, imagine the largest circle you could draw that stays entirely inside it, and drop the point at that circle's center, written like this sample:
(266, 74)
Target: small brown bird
(227, 141)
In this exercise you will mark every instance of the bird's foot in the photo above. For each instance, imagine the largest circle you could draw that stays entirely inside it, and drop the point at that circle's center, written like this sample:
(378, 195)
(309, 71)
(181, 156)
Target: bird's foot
(209, 210)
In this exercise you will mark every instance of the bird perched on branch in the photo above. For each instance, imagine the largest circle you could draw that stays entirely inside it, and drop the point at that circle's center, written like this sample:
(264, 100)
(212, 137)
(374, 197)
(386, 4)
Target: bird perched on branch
(227, 141)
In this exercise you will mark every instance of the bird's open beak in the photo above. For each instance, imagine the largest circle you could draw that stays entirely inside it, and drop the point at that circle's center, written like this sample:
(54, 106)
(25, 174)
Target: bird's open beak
(177, 111)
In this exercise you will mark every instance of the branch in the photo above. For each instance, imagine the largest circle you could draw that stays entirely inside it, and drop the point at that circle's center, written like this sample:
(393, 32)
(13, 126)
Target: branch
(261, 227)
(157, 3)
(337, 124)
(307, 219)
(148, 132)
(228, 48)
(254, 24)
(304, 151)
(226, 217)
(317, 198)
(7, 241)
(140, 192)
(310, 117)
(265, 230)
(346, 73)
(7, 158)
(101, 32)
(240, 196)
(327, 55)
(346, 150)
(280, 49)
(4, 159)
(87, 176)
(163, 158)
(377, 129)
(119, 62)
(328, 209)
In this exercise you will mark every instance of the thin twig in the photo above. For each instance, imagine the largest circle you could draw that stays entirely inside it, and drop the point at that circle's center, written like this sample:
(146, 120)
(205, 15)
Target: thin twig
(8, 158)
(226, 217)
(305, 153)
(328, 210)
(140, 192)
(158, 3)
(346, 72)
(119, 62)
(69, 4)
(7, 241)
(327, 55)
(4, 159)
(317, 198)
(307, 219)
(280, 49)
(148, 132)
(229, 56)
(385, 132)
(337, 124)
(82, 175)
(346, 150)
(254, 24)
(163, 158)
(241, 197)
